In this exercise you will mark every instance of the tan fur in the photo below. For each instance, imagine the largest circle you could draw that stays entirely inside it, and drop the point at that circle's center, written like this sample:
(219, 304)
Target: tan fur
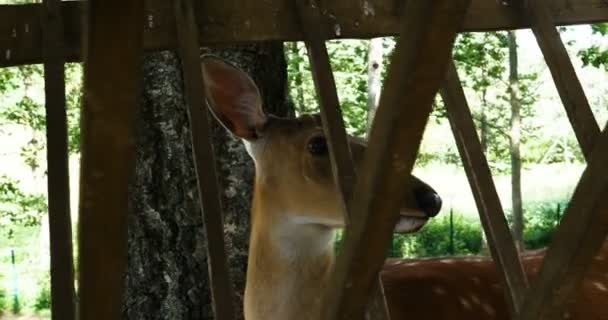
(296, 205)
(295, 209)
(464, 288)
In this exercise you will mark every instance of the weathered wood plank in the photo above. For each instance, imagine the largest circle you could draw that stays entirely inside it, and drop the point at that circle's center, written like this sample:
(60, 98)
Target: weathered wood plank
(581, 233)
(60, 223)
(568, 86)
(233, 21)
(333, 125)
(112, 77)
(585, 223)
(478, 172)
(417, 70)
(204, 161)
(327, 94)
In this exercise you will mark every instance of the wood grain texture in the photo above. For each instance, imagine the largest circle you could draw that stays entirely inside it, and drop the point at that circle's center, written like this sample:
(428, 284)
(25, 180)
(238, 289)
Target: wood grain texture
(234, 21)
(482, 185)
(568, 86)
(333, 125)
(582, 231)
(60, 223)
(584, 225)
(415, 74)
(325, 86)
(222, 293)
(111, 81)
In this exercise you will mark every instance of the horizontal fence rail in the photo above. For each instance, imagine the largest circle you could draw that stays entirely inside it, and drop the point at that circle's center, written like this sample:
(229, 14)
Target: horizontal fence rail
(233, 21)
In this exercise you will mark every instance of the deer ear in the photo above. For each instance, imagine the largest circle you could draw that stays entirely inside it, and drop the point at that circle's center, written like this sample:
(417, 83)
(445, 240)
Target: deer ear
(233, 97)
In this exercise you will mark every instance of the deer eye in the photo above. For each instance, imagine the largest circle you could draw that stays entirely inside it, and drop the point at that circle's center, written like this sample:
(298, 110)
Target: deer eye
(317, 146)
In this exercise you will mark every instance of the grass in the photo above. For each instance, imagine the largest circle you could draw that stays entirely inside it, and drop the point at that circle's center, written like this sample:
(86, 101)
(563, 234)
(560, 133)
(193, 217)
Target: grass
(540, 184)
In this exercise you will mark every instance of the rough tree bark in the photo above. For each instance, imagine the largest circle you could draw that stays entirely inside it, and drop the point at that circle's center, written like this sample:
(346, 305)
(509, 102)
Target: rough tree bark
(167, 272)
(515, 137)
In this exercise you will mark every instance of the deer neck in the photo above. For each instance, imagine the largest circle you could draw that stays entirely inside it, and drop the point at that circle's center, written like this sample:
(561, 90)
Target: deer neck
(289, 262)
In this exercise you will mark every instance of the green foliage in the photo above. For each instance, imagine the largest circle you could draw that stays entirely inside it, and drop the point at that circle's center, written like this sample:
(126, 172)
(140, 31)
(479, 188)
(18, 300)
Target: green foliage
(481, 59)
(3, 297)
(349, 65)
(22, 103)
(595, 55)
(541, 219)
(43, 297)
(481, 56)
(434, 238)
(18, 208)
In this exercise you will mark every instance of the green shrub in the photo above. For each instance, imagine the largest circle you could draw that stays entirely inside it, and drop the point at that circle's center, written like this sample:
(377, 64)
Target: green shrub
(43, 298)
(434, 238)
(541, 219)
(3, 300)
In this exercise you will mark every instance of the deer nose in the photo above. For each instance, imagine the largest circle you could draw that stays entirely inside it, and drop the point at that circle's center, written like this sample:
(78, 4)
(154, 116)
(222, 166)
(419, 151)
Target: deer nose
(428, 201)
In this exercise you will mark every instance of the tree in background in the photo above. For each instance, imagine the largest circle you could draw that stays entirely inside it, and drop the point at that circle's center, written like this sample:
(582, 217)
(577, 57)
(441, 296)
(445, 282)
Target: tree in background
(481, 59)
(515, 138)
(22, 112)
(167, 270)
(349, 65)
(595, 55)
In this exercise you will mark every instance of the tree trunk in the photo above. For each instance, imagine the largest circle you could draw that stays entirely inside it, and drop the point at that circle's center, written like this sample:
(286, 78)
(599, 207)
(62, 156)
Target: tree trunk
(516, 197)
(483, 131)
(374, 78)
(167, 273)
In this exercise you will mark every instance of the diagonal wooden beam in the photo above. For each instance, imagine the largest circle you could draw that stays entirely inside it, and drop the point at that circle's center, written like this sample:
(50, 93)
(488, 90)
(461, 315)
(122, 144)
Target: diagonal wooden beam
(333, 124)
(581, 233)
(325, 86)
(478, 172)
(60, 223)
(584, 225)
(111, 81)
(417, 70)
(568, 86)
(222, 293)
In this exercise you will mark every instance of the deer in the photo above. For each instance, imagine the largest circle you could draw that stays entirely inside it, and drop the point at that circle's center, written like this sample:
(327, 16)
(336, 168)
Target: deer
(296, 209)
(470, 288)
(296, 206)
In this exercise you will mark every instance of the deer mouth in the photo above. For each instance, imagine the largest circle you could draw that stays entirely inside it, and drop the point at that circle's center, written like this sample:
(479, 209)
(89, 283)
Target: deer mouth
(410, 221)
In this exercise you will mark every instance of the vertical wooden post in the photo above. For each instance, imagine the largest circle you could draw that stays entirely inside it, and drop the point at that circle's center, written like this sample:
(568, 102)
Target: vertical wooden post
(112, 55)
(60, 224)
(204, 161)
